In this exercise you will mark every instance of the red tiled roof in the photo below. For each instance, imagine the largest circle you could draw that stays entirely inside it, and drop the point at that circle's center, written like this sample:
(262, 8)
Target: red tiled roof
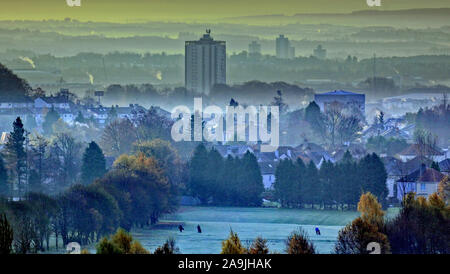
(431, 175)
(414, 150)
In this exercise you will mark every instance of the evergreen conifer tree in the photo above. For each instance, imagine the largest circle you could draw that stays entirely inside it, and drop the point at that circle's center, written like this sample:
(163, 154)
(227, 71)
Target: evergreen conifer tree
(94, 163)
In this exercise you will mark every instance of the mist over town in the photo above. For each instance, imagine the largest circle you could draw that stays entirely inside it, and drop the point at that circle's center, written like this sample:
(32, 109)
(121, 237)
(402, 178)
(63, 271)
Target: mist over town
(107, 112)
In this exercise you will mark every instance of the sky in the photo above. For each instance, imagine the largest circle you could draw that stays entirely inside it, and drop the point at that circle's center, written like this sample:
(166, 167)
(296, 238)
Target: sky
(189, 10)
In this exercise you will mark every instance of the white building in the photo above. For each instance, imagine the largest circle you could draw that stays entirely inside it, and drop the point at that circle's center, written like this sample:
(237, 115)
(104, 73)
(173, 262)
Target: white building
(99, 114)
(414, 150)
(15, 103)
(343, 98)
(205, 63)
(423, 182)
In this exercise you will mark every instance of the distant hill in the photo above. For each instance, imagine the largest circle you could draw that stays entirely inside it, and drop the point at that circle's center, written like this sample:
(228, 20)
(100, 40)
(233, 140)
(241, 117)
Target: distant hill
(417, 18)
(11, 86)
(422, 12)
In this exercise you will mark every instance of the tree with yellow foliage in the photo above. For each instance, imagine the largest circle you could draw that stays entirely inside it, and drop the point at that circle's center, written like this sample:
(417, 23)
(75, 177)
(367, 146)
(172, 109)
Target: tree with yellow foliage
(137, 248)
(355, 237)
(122, 240)
(370, 209)
(141, 188)
(120, 243)
(233, 245)
(421, 227)
(444, 189)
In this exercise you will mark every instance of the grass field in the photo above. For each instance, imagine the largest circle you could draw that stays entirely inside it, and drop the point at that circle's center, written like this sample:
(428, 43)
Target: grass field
(271, 223)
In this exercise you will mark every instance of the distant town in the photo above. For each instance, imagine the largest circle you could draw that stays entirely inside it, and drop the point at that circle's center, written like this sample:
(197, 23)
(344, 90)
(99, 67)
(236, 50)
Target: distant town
(88, 158)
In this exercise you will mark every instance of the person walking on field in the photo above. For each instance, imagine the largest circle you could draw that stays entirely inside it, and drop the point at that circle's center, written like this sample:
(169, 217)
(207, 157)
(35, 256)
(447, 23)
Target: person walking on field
(317, 231)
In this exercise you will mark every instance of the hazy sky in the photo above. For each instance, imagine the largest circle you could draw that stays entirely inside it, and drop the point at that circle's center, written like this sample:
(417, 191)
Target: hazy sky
(180, 10)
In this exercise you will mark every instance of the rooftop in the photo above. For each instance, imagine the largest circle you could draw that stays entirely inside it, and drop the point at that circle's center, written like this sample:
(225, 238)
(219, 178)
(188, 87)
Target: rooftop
(55, 99)
(445, 165)
(340, 92)
(425, 176)
(415, 149)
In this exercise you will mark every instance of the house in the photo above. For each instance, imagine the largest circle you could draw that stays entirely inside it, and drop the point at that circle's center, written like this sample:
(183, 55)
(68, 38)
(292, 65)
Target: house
(4, 138)
(8, 115)
(415, 150)
(309, 147)
(356, 150)
(414, 164)
(343, 98)
(444, 166)
(320, 157)
(67, 116)
(99, 114)
(233, 150)
(268, 169)
(392, 128)
(395, 132)
(16, 103)
(395, 122)
(57, 102)
(267, 161)
(132, 112)
(313, 152)
(394, 170)
(423, 181)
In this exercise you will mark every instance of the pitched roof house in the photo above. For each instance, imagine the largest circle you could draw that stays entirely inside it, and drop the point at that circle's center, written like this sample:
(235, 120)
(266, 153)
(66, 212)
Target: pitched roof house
(17, 102)
(414, 150)
(423, 181)
(444, 166)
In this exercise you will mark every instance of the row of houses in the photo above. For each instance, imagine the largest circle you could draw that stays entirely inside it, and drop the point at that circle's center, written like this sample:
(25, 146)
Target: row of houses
(392, 128)
(66, 108)
(405, 174)
(414, 175)
(268, 161)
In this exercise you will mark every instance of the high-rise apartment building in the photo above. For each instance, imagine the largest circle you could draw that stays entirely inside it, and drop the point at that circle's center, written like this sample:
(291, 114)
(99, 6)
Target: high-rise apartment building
(284, 50)
(205, 63)
(254, 48)
(282, 47)
(320, 52)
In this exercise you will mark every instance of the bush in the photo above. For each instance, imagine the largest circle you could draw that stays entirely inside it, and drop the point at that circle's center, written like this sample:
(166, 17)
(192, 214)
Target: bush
(169, 247)
(233, 245)
(421, 227)
(120, 243)
(355, 238)
(298, 243)
(259, 246)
